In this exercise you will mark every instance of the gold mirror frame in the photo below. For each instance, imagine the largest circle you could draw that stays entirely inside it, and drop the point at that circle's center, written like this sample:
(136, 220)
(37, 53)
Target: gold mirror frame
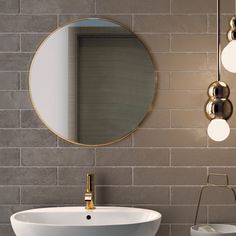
(150, 108)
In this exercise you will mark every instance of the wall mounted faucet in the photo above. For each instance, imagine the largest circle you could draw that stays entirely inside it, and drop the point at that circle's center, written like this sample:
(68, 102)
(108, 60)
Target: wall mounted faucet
(89, 194)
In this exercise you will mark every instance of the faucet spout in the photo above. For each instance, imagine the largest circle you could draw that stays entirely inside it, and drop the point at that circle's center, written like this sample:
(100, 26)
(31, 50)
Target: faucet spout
(89, 194)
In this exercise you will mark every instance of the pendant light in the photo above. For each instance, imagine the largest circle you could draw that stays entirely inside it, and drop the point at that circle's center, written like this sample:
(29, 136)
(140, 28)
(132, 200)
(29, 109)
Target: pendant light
(228, 54)
(218, 108)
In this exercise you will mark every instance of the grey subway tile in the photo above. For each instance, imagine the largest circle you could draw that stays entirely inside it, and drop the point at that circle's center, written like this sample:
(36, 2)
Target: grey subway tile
(180, 61)
(26, 138)
(9, 42)
(189, 119)
(24, 81)
(29, 119)
(222, 214)
(156, 42)
(6, 230)
(14, 61)
(27, 176)
(9, 81)
(169, 176)
(9, 119)
(104, 176)
(27, 23)
(132, 157)
(172, 99)
(164, 230)
(133, 6)
(203, 157)
(14, 100)
(132, 195)
(196, 80)
(30, 42)
(9, 157)
(170, 23)
(193, 43)
(170, 138)
(57, 6)
(211, 196)
(200, 6)
(180, 230)
(53, 195)
(9, 6)
(57, 157)
(157, 119)
(9, 195)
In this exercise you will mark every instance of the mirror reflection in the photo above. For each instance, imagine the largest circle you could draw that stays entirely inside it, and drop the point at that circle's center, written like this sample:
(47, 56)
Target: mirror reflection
(92, 82)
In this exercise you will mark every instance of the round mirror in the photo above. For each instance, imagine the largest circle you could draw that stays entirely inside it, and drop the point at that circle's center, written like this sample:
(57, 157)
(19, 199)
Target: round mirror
(92, 82)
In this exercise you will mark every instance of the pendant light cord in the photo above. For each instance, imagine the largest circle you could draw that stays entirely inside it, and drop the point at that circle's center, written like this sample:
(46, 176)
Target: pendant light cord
(235, 8)
(218, 41)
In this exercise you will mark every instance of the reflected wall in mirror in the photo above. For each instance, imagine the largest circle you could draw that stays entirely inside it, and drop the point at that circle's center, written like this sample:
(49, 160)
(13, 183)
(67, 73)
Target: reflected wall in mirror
(92, 82)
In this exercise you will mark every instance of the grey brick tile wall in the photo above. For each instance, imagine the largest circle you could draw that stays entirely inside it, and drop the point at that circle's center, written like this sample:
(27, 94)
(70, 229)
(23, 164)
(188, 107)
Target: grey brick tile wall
(164, 163)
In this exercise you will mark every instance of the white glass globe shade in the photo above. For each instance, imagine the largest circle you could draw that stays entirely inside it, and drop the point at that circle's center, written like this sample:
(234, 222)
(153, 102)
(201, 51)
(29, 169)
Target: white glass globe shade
(218, 130)
(228, 57)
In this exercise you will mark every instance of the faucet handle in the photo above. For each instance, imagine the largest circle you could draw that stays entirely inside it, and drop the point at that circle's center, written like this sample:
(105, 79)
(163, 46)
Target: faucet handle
(89, 194)
(90, 183)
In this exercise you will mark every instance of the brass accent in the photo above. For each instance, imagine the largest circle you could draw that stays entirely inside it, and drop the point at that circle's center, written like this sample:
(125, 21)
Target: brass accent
(211, 185)
(89, 194)
(218, 108)
(232, 22)
(218, 90)
(151, 105)
(231, 35)
(218, 105)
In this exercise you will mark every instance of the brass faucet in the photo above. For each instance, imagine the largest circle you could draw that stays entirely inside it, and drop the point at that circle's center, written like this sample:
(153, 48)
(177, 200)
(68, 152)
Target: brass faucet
(89, 194)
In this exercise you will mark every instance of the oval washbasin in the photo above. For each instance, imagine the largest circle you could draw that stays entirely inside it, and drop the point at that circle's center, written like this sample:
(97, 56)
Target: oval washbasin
(77, 221)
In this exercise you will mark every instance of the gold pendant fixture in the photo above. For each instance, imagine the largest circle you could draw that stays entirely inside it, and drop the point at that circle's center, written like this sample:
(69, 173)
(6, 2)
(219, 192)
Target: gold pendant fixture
(219, 108)
(228, 53)
(218, 105)
(232, 32)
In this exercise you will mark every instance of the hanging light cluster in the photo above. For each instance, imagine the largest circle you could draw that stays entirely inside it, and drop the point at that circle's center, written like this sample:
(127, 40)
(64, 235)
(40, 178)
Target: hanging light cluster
(228, 54)
(218, 107)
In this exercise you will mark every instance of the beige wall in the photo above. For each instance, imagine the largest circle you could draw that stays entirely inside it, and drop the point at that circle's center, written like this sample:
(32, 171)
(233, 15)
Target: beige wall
(163, 164)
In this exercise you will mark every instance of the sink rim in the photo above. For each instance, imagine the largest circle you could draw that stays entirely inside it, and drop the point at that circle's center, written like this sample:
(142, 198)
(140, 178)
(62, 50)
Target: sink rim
(156, 216)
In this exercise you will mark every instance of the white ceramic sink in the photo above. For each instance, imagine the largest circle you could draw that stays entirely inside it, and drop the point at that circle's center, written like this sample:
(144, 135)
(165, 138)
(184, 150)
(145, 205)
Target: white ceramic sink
(76, 221)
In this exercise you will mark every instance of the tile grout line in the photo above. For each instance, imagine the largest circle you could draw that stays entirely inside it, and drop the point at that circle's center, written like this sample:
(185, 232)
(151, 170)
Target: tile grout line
(95, 7)
(19, 6)
(170, 43)
(95, 157)
(20, 194)
(132, 22)
(58, 20)
(132, 169)
(57, 176)
(207, 23)
(207, 214)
